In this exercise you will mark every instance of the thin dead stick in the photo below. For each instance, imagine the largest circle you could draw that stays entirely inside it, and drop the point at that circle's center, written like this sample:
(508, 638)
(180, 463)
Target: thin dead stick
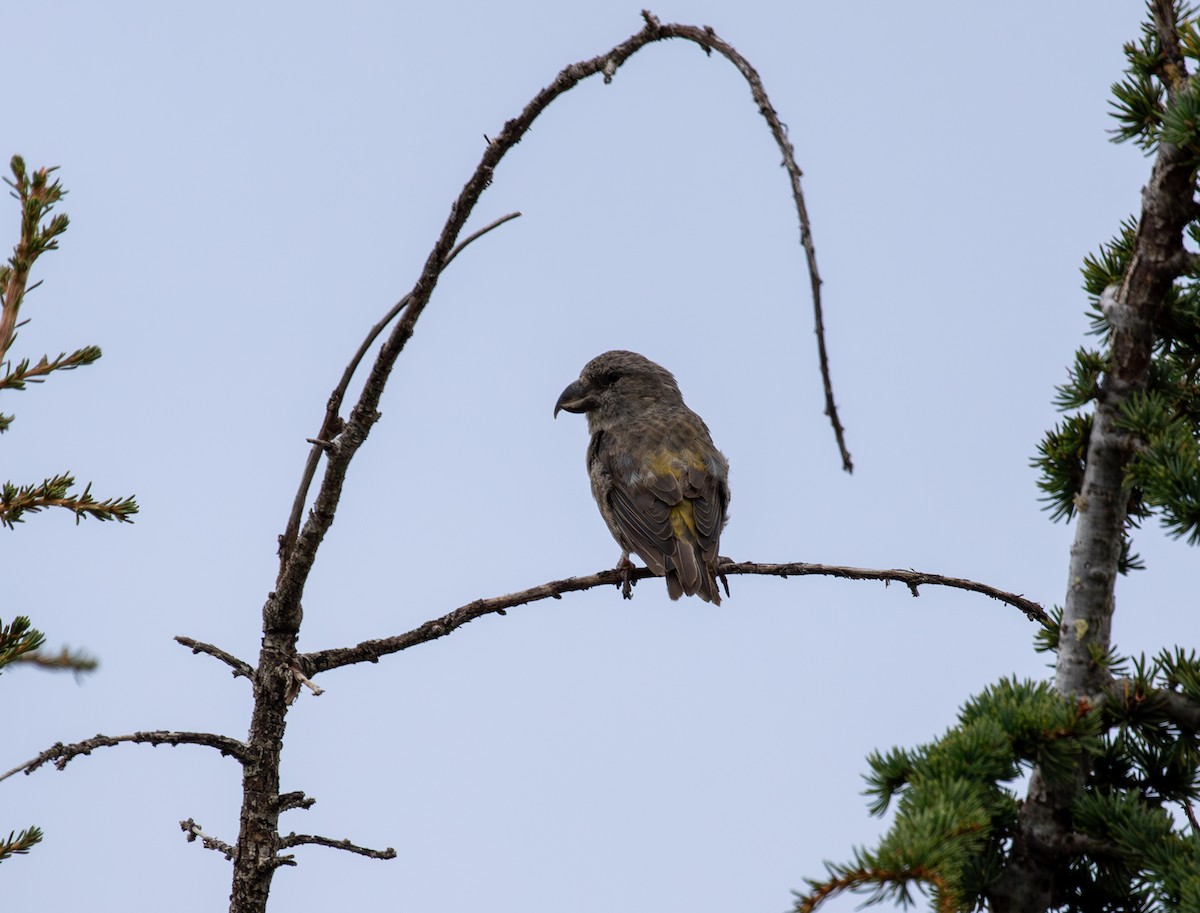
(194, 830)
(62, 754)
(239, 666)
(709, 42)
(294, 839)
(372, 650)
(330, 425)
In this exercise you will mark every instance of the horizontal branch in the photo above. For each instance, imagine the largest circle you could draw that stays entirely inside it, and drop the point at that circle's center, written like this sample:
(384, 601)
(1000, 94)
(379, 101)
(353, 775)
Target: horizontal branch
(296, 799)
(295, 839)
(1179, 708)
(64, 659)
(372, 650)
(24, 372)
(17, 500)
(240, 667)
(910, 578)
(62, 754)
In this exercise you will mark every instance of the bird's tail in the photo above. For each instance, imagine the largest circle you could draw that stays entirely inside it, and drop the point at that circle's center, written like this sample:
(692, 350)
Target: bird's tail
(689, 574)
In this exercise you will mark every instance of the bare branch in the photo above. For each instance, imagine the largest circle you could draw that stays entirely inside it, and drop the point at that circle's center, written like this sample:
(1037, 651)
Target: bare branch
(295, 839)
(372, 650)
(297, 557)
(193, 830)
(240, 667)
(296, 799)
(302, 680)
(62, 754)
(708, 41)
(332, 424)
(458, 248)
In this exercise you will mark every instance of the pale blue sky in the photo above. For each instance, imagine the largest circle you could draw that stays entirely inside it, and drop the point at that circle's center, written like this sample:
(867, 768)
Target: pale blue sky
(252, 186)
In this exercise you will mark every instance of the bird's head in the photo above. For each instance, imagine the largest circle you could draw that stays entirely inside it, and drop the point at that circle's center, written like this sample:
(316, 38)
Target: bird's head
(618, 383)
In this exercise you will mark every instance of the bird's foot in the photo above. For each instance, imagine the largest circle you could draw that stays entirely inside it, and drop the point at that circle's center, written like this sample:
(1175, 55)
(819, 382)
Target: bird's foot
(721, 559)
(625, 566)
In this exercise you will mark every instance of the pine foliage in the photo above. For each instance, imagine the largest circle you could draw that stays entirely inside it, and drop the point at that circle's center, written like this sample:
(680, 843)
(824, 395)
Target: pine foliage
(1130, 755)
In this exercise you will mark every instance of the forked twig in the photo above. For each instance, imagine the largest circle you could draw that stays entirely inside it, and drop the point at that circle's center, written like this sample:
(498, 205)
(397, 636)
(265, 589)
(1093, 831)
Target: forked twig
(330, 425)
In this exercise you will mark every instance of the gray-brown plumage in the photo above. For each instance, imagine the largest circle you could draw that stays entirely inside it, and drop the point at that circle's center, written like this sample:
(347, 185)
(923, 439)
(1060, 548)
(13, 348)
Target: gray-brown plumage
(661, 485)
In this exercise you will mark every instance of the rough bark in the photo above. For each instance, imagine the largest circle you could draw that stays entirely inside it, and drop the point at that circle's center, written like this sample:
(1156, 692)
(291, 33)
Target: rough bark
(1044, 836)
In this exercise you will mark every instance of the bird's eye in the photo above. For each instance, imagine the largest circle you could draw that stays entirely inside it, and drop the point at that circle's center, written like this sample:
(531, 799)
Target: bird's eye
(608, 378)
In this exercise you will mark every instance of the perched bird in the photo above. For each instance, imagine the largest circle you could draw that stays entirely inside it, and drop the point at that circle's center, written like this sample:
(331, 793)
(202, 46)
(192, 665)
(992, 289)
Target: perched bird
(661, 485)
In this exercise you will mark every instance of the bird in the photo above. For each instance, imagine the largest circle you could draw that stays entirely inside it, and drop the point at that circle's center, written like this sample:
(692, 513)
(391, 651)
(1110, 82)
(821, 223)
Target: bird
(661, 484)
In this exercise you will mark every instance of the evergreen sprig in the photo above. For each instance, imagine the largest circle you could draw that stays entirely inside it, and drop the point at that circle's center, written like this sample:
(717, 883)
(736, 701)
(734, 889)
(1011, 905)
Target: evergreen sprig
(19, 842)
(38, 193)
(1118, 770)
(65, 659)
(25, 373)
(55, 492)
(18, 638)
(955, 810)
(954, 805)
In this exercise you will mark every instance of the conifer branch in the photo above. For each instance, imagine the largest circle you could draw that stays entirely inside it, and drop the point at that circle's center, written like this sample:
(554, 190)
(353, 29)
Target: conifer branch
(1180, 709)
(63, 660)
(861, 878)
(37, 195)
(19, 843)
(1033, 878)
(55, 492)
(24, 373)
(18, 639)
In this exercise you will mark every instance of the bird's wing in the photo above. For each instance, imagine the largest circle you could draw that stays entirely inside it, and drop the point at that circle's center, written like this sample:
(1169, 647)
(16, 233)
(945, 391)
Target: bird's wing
(709, 498)
(669, 508)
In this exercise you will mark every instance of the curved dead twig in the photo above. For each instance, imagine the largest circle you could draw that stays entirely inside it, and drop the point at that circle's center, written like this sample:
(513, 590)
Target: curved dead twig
(709, 42)
(372, 650)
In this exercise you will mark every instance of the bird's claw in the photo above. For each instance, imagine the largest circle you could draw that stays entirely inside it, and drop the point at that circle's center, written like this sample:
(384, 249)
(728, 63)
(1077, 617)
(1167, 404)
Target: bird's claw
(625, 566)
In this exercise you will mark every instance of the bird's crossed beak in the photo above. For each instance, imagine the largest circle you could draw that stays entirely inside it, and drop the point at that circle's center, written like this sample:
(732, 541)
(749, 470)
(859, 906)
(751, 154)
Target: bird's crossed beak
(576, 398)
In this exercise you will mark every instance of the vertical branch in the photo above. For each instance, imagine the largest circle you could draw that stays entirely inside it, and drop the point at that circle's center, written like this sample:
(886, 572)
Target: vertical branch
(37, 195)
(1028, 883)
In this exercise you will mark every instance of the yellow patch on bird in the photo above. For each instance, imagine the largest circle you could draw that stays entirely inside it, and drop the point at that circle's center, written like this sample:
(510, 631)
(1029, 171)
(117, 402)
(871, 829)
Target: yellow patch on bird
(683, 521)
(673, 462)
